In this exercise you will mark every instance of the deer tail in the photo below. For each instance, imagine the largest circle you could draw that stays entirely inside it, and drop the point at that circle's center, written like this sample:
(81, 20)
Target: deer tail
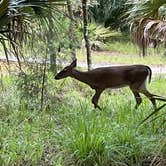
(149, 73)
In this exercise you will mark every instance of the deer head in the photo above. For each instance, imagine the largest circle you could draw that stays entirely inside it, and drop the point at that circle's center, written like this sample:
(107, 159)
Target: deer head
(67, 71)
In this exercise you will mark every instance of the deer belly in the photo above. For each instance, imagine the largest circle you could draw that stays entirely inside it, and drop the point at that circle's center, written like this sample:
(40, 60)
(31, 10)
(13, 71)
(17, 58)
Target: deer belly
(116, 83)
(113, 81)
(117, 86)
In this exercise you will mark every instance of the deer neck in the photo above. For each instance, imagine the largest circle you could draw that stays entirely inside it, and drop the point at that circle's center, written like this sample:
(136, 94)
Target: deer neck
(81, 76)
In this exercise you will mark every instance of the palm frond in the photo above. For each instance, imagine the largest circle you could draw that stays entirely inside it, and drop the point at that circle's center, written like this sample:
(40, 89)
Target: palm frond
(16, 18)
(146, 29)
(3, 7)
(145, 8)
(152, 114)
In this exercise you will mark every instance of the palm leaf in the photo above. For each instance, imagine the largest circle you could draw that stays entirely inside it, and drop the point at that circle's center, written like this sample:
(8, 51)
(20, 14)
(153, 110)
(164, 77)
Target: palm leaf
(16, 21)
(145, 8)
(146, 29)
(146, 18)
(3, 7)
(152, 114)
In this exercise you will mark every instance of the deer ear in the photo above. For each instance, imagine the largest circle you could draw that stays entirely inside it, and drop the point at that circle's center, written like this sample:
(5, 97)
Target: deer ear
(74, 63)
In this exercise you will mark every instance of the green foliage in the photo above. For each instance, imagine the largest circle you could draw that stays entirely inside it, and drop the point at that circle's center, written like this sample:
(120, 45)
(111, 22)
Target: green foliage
(110, 13)
(146, 9)
(99, 33)
(83, 138)
(30, 86)
(22, 20)
(28, 139)
(75, 134)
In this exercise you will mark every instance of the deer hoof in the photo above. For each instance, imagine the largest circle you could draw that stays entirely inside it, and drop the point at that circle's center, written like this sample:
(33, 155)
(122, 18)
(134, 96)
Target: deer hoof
(96, 106)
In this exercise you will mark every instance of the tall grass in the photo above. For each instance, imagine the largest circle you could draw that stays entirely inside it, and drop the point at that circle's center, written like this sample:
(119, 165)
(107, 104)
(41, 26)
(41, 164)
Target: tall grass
(75, 134)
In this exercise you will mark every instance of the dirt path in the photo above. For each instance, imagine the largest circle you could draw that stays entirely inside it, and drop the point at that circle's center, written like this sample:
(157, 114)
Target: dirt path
(156, 69)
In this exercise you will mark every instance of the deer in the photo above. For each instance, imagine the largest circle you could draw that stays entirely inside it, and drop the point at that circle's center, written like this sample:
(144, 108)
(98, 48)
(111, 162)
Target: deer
(99, 79)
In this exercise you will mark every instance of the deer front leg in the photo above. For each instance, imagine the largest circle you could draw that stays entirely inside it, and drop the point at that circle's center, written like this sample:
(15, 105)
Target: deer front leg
(96, 97)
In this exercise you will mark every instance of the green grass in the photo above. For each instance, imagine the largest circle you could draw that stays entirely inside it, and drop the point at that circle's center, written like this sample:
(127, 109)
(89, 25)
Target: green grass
(70, 132)
(123, 59)
(123, 52)
(75, 134)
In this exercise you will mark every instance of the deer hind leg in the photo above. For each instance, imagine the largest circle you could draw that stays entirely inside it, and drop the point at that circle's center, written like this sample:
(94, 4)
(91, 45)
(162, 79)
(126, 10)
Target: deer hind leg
(96, 97)
(150, 96)
(137, 98)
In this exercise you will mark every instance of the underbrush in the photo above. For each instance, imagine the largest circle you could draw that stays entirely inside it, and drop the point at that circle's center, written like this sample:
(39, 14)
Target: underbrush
(70, 132)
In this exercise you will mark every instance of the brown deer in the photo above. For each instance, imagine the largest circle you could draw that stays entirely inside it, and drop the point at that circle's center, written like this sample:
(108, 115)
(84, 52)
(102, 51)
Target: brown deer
(134, 76)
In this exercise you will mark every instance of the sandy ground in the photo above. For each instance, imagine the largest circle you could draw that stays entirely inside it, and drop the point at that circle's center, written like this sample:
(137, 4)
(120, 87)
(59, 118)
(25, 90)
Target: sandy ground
(156, 69)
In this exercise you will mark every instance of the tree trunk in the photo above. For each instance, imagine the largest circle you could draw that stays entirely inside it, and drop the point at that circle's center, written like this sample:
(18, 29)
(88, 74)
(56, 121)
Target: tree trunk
(50, 44)
(71, 30)
(86, 38)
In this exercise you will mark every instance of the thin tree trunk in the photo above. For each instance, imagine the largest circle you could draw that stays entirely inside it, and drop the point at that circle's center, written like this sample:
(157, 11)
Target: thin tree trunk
(71, 30)
(43, 83)
(50, 46)
(86, 38)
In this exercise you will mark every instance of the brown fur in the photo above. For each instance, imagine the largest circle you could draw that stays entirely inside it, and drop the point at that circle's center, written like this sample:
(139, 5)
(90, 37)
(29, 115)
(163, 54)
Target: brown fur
(133, 76)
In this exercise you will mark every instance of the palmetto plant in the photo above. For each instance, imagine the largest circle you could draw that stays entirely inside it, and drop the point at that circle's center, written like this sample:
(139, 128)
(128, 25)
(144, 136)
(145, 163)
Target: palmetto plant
(148, 21)
(109, 13)
(16, 20)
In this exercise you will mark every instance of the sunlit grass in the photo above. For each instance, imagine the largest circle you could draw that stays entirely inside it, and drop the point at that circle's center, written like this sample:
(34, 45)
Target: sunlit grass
(71, 132)
(125, 53)
(76, 134)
